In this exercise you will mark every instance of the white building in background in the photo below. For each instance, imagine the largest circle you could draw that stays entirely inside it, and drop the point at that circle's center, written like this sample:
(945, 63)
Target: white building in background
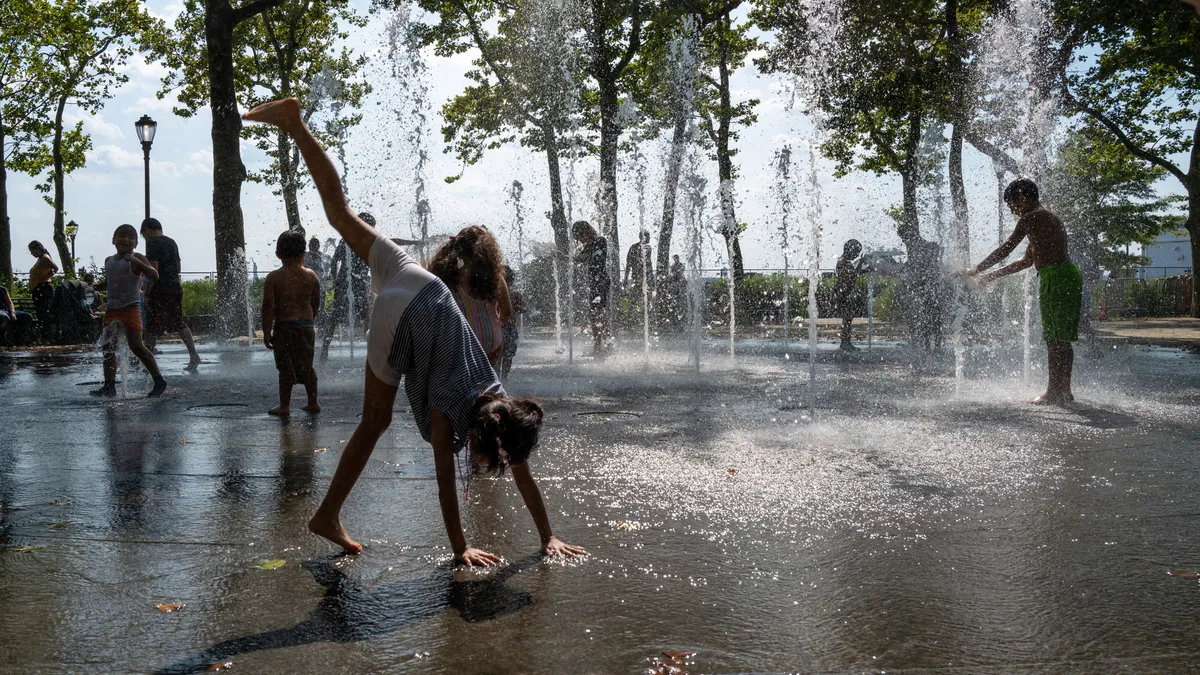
(1169, 255)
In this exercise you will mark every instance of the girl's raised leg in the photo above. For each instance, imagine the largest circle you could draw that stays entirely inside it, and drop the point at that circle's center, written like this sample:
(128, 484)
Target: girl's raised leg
(285, 114)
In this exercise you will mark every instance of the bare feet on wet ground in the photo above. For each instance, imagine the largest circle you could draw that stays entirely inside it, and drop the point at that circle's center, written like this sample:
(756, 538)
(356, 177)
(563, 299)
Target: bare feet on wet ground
(331, 529)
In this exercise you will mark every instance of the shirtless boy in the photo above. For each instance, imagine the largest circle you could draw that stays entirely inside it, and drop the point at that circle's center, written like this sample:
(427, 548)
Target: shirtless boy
(1060, 284)
(291, 297)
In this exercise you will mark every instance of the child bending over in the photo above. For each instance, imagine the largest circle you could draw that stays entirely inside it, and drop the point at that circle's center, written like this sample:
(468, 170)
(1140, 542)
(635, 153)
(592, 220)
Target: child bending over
(418, 332)
(291, 298)
(123, 275)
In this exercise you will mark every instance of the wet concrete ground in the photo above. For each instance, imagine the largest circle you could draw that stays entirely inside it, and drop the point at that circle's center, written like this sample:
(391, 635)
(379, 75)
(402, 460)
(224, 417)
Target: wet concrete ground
(907, 528)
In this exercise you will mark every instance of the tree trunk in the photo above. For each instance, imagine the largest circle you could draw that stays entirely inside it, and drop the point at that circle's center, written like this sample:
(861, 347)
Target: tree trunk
(610, 135)
(5, 232)
(558, 213)
(724, 157)
(670, 191)
(958, 192)
(287, 181)
(1193, 228)
(958, 198)
(910, 226)
(228, 170)
(60, 229)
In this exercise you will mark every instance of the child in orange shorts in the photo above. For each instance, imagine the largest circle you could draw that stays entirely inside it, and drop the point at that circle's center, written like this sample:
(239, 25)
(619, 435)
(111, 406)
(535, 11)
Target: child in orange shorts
(123, 274)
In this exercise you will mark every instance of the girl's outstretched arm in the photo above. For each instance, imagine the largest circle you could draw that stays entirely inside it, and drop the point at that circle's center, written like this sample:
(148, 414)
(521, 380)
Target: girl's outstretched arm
(285, 114)
(551, 545)
(443, 463)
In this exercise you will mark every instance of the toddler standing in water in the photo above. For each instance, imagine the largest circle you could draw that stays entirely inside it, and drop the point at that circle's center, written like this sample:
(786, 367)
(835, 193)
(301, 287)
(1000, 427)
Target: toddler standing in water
(418, 332)
(472, 267)
(123, 274)
(291, 297)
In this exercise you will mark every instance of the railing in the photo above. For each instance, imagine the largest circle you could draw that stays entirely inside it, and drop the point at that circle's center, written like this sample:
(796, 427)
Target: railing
(1153, 272)
(1143, 297)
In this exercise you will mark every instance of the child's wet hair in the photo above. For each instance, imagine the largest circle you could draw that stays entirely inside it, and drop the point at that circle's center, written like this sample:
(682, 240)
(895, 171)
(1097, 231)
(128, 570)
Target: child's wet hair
(852, 248)
(125, 228)
(508, 425)
(291, 244)
(481, 258)
(1021, 187)
(582, 229)
(314, 245)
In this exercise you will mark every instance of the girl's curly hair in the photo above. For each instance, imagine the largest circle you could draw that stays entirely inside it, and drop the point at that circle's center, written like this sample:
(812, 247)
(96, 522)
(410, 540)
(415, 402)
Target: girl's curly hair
(508, 429)
(482, 262)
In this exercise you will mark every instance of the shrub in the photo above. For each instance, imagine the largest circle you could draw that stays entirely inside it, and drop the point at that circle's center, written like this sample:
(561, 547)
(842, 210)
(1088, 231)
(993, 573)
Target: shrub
(200, 296)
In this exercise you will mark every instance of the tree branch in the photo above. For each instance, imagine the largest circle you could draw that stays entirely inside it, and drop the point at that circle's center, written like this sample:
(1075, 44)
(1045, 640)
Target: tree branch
(992, 150)
(1135, 149)
(253, 9)
(635, 41)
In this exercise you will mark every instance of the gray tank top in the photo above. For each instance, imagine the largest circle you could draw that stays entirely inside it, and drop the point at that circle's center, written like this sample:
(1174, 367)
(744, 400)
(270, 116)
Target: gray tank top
(124, 286)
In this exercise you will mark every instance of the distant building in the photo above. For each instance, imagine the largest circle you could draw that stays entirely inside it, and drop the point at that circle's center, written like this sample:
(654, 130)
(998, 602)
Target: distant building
(1169, 255)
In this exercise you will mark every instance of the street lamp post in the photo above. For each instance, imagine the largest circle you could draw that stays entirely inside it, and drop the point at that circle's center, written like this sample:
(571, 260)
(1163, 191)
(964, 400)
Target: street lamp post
(73, 229)
(145, 132)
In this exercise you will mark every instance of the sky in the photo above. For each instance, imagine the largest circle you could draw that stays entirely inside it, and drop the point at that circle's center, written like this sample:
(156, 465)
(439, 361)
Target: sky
(380, 167)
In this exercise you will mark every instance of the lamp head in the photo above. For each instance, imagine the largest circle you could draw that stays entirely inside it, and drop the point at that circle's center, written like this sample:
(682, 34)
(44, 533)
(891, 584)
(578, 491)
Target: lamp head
(145, 129)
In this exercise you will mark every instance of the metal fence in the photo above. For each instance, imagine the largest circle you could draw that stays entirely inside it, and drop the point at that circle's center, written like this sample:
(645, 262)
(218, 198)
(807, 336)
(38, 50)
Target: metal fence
(1143, 297)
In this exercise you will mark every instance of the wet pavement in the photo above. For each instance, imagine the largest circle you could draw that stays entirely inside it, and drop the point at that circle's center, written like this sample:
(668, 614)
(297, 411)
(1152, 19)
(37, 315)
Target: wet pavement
(905, 527)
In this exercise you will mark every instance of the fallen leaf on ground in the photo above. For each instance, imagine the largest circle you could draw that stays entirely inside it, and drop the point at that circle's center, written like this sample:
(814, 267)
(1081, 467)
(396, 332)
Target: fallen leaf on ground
(165, 607)
(184, 442)
(225, 665)
(732, 472)
(341, 441)
(1184, 574)
(626, 525)
(58, 525)
(270, 564)
(59, 502)
(27, 549)
(322, 449)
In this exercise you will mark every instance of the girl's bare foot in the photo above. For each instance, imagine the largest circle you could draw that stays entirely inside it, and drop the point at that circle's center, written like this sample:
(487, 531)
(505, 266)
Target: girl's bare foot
(332, 530)
(281, 411)
(192, 365)
(312, 407)
(282, 113)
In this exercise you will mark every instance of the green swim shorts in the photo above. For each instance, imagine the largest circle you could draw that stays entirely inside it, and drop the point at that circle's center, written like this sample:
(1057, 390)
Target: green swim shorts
(1060, 290)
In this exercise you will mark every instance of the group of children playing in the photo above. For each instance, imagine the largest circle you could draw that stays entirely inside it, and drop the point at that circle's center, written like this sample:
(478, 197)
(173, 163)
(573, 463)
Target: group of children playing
(444, 332)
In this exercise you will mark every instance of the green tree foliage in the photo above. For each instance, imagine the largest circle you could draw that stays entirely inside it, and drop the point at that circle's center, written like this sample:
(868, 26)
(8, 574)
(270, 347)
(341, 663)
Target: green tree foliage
(526, 82)
(1134, 68)
(871, 75)
(1107, 199)
(24, 104)
(83, 47)
(286, 51)
(725, 45)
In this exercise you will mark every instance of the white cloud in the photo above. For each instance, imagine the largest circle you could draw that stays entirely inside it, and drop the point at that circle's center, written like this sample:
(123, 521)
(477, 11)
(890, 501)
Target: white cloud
(167, 12)
(153, 104)
(143, 74)
(114, 156)
(117, 157)
(95, 125)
